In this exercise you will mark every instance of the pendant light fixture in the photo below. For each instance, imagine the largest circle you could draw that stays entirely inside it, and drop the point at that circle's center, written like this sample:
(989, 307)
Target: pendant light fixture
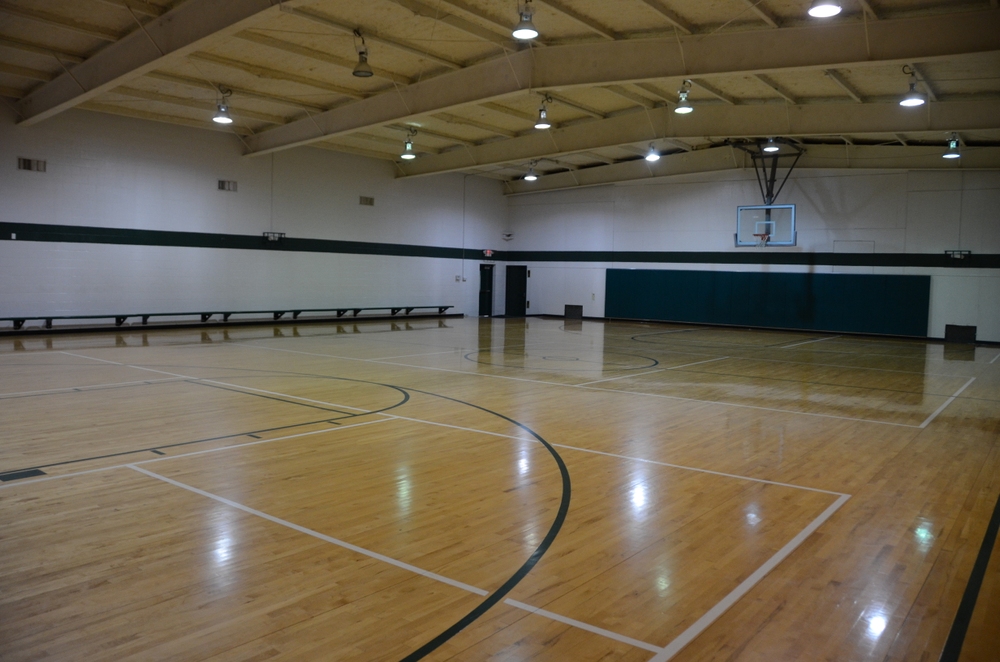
(525, 30)
(531, 176)
(771, 146)
(913, 98)
(953, 148)
(362, 69)
(683, 105)
(825, 8)
(222, 115)
(543, 116)
(408, 153)
(652, 155)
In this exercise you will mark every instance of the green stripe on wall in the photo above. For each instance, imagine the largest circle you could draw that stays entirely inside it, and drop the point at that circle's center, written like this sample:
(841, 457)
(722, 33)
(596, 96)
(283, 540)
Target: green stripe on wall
(125, 236)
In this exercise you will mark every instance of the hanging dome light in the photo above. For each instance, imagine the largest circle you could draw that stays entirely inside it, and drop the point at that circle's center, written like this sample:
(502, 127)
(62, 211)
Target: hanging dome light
(913, 98)
(408, 154)
(222, 115)
(652, 155)
(771, 146)
(683, 105)
(525, 29)
(531, 176)
(362, 69)
(825, 8)
(543, 119)
(953, 148)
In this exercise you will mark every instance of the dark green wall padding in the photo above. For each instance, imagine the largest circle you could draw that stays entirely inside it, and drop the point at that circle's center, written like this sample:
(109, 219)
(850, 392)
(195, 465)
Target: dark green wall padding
(850, 303)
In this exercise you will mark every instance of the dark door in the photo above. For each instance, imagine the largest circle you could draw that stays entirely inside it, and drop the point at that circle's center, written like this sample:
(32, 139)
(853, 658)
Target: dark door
(517, 291)
(486, 289)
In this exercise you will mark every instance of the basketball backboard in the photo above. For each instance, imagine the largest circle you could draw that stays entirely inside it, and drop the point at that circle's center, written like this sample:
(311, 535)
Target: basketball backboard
(777, 221)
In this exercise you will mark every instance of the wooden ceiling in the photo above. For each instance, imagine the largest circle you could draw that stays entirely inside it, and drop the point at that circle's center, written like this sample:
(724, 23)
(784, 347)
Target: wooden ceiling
(608, 71)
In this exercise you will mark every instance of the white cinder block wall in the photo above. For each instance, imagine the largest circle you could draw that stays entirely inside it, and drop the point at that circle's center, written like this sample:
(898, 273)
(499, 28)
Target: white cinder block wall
(837, 211)
(117, 172)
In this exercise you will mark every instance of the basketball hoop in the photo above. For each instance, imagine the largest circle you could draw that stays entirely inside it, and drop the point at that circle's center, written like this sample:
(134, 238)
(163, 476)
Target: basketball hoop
(762, 239)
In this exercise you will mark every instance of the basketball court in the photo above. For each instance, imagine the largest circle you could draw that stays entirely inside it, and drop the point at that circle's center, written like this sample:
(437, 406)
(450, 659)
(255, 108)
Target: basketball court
(470, 489)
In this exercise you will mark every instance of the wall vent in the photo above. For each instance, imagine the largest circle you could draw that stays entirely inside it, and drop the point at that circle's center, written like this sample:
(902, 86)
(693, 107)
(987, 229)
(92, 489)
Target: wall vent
(34, 165)
(366, 201)
(227, 185)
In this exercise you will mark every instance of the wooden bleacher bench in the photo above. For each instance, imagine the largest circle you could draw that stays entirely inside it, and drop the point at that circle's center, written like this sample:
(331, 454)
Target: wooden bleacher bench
(19, 322)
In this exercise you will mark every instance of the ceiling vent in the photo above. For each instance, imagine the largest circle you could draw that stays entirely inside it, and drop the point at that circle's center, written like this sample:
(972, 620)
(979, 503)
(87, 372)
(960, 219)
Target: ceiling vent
(227, 185)
(33, 165)
(366, 201)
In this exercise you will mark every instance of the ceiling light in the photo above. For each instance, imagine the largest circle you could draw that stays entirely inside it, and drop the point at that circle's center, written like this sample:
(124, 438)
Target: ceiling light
(531, 176)
(683, 105)
(652, 155)
(408, 150)
(525, 29)
(771, 146)
(222, 115)
(543, 119)
(913, 98)
(825, 8)
(363, 69)
(953, 151)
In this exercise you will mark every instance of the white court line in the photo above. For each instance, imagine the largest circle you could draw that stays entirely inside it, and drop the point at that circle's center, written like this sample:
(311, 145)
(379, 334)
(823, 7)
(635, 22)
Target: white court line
(703, 471)
(407, 356)
(611, 379)
(807, 342)
(715, 612)
(585, 626)
(946, 403)
(688, 365)
(995, 359)
(314, 534)
(176, 457)
(89, 387)
(590, 388)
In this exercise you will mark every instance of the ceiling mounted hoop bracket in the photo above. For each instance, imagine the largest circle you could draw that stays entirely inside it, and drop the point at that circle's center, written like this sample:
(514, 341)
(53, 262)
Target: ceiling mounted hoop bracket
(765, 165)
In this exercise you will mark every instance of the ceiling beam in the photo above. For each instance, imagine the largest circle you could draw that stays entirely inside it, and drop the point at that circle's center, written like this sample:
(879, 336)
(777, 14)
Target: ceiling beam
(137, 6)
(237, 91)
(839, 79)
(274, 74)
(781, 92)
(625, 61)
(313, 54)
(169, 119)
(436, 134)
(672, 17)
(10, 92)
(931, 92)
(513, 112)
(504, 27)
(587, 110)
(182, 30)
(756, 7)
(634, 97)
(371, 36)
(38, 49)
(714, 91)
(61, 22)
(743, 121)
(721, 158)
(456, 119)
(582, 19)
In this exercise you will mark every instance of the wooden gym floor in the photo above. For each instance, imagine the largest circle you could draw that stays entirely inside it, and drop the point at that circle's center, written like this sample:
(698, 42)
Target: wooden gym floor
(568, 492)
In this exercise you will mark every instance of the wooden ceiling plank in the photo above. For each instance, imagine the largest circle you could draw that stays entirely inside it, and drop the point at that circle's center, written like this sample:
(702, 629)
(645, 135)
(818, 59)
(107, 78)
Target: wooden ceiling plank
(496, 107)
(373, 37)
(714, 91)
(672, 17)
(756, 6)
(781, 92)
(314, 54)
(630, 95)
(839, 79)
(582, 19)
(139, 7)
(420, 9)
(38, 49)
(436, 134)
(922, 77)
(457, 119)
(26, 72)
(209, 106)
(237, 91)
(160, 117)
(593, 112)
(48, 18)
(11, 92)
(274, 74)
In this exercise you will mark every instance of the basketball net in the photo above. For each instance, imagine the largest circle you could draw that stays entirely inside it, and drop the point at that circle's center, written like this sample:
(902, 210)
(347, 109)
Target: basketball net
(762, 240)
